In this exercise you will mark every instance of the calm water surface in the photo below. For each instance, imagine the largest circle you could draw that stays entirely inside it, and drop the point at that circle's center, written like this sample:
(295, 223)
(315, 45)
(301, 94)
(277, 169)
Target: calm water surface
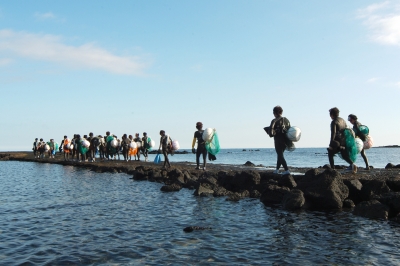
(56, 215)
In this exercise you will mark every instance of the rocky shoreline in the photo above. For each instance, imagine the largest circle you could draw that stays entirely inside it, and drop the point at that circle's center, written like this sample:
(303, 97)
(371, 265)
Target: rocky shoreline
(373, 194)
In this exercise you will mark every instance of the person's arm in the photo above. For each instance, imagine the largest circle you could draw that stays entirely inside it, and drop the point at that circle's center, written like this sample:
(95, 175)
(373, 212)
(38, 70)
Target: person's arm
(271, 128)
(333, 130)
(159, 148)
(193, 143)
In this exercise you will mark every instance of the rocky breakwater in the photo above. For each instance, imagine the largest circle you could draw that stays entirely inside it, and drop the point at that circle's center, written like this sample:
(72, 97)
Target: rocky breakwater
(315, 190)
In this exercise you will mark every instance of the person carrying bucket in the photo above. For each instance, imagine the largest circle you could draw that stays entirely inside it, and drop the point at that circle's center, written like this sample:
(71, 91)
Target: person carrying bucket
(201, 146)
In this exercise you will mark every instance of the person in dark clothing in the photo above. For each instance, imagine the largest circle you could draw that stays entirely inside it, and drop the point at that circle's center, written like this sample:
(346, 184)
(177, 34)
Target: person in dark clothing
(125, 146)
(145, 146)
(277, 129)
(165, 145)
(36, 148)
(201, 146)
(356, 125)
(337, 141)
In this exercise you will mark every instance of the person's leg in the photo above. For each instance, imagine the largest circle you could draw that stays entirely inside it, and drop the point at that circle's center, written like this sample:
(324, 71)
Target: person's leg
(198, 153)
(331, 153)
(166, 160)
(280, 148)
(204, 158)
(146, 154)
(364, 156)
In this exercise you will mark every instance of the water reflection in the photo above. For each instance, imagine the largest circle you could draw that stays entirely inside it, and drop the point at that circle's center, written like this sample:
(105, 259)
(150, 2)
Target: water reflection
(64, 215)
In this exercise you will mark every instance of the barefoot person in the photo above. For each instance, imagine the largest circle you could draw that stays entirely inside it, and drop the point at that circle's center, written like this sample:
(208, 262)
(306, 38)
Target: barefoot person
(165, 145)
(277, 129)
(338, 142)
(201, 146)
(356, 125)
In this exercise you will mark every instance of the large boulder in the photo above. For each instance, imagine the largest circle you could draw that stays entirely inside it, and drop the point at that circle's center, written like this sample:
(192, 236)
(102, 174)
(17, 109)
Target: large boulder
(244, 180)
(354, 186)
(373, 188)
(392, 200)
(293, 200)
(176, 176)
(273, 194)
(287, 181)
(202, 190)
(393, 184)
(389, 166)
(372, 209)
(325, 190)
(140, 174)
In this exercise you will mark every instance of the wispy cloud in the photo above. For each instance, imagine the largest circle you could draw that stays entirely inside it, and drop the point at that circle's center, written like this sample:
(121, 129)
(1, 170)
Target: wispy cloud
(5, 61)
(43, 16)
(51, 48)
(383, 21)
(372, 80)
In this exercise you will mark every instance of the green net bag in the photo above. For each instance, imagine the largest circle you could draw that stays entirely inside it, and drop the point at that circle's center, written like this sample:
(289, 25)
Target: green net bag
(212, 146)
(364, 130)
(111, 150)
(350, 144)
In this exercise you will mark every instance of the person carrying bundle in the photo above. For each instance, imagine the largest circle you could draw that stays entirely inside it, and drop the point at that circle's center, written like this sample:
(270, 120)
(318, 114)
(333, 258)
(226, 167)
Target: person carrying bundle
(125, 146)
(337, 144)
(356, 128)
(277, 129)
(35, 148)
(138, 141)
(201, 146)
(146, 146)
(66, 143)
(165, 145)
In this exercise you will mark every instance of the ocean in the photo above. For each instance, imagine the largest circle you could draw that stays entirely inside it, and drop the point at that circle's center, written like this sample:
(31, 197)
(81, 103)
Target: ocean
(301, 157)
(63, 215)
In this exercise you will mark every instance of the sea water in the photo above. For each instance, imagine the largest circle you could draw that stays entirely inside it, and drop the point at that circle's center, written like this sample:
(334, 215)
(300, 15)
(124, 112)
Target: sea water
(301, 157)
(62, 215)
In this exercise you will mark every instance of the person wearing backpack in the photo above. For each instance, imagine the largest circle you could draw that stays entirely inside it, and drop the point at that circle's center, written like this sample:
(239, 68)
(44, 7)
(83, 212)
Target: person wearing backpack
(277, 129)
(356, 125)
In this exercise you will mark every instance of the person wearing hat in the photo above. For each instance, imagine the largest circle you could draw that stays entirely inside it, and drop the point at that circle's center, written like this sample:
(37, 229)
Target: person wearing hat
(35, 147)
(145, 146)
(201, 146)
(356, 125)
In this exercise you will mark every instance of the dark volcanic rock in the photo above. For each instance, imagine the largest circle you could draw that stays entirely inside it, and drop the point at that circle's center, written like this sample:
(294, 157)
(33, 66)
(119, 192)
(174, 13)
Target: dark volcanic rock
(312, 173)
(287, 181)
(354, 187)
(293, 200)
(273, 194)
(171, 188)
(203, 191)
(389, 165)
(324, 191)
(248, 163)
(255, 194)
(195, 228)
(393, 184)
(245, 180)
(348, 204)
(391, 199)
(221, 192)
(372, 209)
(373, 188)
(139, 174)
(176, 176)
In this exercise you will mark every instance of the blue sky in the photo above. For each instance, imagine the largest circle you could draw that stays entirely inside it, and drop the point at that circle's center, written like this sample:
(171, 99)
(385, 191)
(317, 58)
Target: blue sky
(135, 66)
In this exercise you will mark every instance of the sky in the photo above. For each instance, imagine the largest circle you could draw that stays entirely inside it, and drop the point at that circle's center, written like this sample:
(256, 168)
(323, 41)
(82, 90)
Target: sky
(143, 66)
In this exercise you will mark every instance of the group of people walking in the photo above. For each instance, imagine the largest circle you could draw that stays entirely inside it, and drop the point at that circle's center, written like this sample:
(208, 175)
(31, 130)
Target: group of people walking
(110, 146)
(280, 125)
